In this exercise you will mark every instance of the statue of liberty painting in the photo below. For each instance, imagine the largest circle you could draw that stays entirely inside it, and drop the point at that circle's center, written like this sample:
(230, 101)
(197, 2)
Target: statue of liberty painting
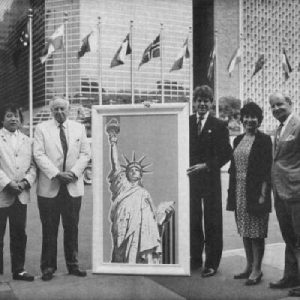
(136, 225)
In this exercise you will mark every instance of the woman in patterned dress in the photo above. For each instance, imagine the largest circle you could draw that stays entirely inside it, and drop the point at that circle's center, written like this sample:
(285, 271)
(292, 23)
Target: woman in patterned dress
(249, 194)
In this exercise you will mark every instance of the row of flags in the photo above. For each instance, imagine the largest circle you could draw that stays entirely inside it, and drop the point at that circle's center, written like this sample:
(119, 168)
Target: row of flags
(90, 44)
(152, 51)
(236, 59)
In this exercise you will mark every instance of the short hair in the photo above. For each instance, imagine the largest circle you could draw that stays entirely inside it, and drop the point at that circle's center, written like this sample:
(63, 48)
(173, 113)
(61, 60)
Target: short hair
(12, 108)
(203, 91)
(253, 110)
(58, 98)
(285, 96)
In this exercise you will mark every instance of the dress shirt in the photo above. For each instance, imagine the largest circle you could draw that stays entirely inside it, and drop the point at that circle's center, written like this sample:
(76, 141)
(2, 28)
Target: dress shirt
(203, 121)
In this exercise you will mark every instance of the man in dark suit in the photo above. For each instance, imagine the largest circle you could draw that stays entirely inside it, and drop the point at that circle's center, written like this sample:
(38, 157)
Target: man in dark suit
(209, 150)
(286, 187)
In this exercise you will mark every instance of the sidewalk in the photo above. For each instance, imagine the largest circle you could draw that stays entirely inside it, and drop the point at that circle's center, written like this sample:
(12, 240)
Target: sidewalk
(220, 286)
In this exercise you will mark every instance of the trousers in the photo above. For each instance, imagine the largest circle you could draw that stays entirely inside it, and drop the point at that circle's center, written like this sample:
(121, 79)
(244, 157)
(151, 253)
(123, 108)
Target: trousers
(51, 209)
(16, 214)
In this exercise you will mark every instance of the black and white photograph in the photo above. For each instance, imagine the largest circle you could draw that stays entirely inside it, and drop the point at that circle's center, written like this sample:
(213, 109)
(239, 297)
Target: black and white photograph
(149, 149)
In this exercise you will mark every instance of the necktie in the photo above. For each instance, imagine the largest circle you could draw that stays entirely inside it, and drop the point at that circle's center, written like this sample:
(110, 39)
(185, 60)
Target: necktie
(199, 125)
(278, 133)
(64, 144)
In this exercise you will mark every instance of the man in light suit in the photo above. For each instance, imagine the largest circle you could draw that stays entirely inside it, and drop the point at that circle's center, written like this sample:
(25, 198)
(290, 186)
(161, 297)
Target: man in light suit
(286, 185)
(61, 151)
(17, 174)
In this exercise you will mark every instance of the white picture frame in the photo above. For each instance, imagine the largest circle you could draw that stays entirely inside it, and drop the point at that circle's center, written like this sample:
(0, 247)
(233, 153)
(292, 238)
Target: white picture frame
(161, 133)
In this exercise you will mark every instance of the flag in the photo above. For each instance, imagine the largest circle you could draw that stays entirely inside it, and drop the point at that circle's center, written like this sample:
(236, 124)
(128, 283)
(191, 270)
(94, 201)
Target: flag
(259, 64)
(234, 60)
(89, 44)
(287, 69)
(22, 43)
(120, 55)
(211, 66)
(183, 53)
(153, 50)
(55, 42)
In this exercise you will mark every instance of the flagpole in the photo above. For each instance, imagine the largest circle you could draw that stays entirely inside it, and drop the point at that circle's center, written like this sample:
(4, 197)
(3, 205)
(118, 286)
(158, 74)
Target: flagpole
(30, 76)
(99, 61)
(215, 75)
(161, 65)
(263, 96)
(190, 47)
(131, 63)
(241, 45)
(66, 54)
(263, 84)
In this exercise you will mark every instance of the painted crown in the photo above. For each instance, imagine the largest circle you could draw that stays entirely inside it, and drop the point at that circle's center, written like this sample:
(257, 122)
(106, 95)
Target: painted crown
(135, 163)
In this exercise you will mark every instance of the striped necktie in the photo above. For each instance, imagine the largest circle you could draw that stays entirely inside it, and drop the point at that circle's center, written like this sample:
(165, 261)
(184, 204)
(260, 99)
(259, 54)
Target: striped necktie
(64, 143)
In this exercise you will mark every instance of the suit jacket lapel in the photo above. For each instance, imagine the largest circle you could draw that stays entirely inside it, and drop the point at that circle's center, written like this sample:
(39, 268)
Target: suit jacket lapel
(207, 124)
(54, 132)
(194, 125)
(6, 142)
(290, 128)
(2, 136)
(71, 134)
(6, 147)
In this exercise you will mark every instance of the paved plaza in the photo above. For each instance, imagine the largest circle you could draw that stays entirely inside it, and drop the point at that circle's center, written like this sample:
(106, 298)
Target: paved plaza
(99, 286)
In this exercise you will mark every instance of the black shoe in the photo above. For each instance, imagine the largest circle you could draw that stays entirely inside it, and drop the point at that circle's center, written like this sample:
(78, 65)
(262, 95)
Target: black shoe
(77, 272)
(23, 276)
(254, 281)
(244, 275)
(207, 272)
(284, 283)
(47, 275)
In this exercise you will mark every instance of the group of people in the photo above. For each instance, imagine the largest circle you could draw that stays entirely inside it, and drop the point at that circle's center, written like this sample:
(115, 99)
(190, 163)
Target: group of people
(61, 151)
(258, 167)
(56, 161)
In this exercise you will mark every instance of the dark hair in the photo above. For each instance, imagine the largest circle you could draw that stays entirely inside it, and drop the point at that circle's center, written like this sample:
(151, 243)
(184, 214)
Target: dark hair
(12, 108)
(253, 110)
(203, 91)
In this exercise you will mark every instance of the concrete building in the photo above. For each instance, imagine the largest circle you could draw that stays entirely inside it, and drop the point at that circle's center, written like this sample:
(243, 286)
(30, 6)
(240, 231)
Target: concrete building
(82, 80)
(256, 26)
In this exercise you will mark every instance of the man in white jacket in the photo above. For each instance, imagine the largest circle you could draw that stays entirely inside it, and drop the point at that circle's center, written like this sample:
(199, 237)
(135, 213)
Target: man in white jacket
(17, 174)
(61, 151)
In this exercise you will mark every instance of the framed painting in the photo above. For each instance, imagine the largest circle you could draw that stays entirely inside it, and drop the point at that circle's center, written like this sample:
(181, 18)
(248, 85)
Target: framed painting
(140, 189)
